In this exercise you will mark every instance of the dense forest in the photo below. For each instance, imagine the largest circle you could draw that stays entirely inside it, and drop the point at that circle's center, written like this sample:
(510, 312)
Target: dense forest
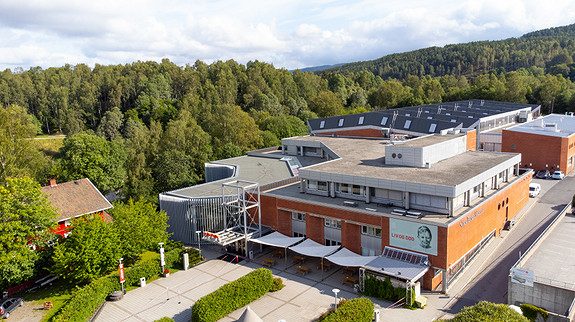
(550, 49)
(147, 127)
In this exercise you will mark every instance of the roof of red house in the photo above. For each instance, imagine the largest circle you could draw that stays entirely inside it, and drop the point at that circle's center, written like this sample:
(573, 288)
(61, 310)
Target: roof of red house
(76, 198)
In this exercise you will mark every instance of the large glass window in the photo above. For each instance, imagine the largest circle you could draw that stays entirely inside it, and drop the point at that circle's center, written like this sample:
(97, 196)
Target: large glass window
(356, 190)
(342, 187)
(333, 223)
(371, 231)
(322, 185)
(298, 216)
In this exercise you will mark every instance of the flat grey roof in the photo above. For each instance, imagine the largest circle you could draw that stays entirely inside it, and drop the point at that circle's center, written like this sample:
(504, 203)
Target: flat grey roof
(565, 126)
(428, 140)
(365, 158)
(554, 258)
(262, 170)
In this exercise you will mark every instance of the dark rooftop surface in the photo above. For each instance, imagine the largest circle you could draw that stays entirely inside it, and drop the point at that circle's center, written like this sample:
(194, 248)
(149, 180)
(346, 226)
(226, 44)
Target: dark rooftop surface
(76, 198)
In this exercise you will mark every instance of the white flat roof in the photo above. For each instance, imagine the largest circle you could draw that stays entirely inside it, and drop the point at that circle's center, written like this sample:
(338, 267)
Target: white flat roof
(565, 126)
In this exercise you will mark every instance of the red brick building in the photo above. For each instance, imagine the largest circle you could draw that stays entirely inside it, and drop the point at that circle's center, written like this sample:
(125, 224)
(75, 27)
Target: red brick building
(432, 195)
(547, 143)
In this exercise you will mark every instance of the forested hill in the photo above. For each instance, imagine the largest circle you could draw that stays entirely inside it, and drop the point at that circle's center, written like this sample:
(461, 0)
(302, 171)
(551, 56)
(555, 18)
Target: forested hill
(552, 49)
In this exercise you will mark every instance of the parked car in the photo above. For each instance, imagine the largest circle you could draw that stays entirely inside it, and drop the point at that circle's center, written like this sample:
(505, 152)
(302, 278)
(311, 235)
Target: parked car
(9, 305)
(542, 174)
(534, 189)
(558, 175)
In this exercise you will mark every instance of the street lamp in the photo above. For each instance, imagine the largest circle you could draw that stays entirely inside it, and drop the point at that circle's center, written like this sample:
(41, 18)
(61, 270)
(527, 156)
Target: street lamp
(335, 291)
(199, 244)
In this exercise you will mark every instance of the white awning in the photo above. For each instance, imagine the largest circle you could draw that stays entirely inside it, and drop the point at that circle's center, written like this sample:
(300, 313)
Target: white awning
(397, 268)
(345, 257)
(310, 248)
(277, 239)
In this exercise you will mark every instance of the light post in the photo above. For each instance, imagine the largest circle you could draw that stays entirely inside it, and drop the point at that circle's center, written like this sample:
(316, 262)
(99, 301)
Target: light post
(199, 232)
(335, 291)
(162, 260)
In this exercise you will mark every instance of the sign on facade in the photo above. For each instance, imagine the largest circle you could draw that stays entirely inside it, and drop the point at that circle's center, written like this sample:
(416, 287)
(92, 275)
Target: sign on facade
(413, 236)
(522, 276)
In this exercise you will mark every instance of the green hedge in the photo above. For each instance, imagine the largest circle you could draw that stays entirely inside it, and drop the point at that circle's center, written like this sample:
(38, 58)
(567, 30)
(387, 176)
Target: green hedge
(359, 309)
(165, 319)
(232, 296)
(531, 312)
(88, 298)
(383, 290)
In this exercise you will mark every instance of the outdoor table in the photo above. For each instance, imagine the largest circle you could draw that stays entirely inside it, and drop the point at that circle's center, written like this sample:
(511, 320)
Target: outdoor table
(268, 262)
(298, 259)
(351, 281)
(302, 270)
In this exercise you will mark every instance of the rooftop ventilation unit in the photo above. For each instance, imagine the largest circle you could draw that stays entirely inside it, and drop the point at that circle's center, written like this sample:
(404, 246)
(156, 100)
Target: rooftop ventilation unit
(350, 203)
(552, 127)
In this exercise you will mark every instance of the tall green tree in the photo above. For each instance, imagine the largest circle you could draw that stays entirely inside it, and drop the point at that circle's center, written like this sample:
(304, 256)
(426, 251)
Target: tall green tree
(90, 251)
(26, 217)
(18, 155)
(90, 156)
(140, 226)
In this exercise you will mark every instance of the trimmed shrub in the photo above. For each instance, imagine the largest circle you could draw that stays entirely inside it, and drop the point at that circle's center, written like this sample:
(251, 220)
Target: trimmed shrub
(232, 296)
(277, 284)
(88, 298)
(382, 290)
(165, 319)
(359, 309)
(531, 311)
(487, 311)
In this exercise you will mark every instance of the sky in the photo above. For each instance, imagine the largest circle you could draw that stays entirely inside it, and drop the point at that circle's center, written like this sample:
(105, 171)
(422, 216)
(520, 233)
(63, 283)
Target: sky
(289, 34)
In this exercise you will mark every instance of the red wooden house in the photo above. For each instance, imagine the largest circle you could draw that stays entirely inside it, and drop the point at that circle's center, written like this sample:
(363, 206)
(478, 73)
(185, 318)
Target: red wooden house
(74, 199)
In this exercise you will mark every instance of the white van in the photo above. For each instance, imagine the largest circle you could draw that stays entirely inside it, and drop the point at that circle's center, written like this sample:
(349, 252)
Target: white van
(534, 189)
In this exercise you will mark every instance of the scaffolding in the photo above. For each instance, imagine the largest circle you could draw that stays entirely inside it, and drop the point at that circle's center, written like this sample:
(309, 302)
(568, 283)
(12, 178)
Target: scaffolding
(242, 214)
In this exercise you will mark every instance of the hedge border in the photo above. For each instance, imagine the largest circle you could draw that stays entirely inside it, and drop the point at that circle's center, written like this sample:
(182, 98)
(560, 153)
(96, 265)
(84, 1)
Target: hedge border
(232, 296)
(359, 309)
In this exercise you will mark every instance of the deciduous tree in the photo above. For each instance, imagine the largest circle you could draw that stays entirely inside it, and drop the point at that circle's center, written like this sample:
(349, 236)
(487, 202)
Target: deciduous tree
(90, 251)
(26, 217)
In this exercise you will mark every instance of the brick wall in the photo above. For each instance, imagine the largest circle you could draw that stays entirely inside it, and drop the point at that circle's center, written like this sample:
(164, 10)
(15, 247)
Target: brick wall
(540, 151)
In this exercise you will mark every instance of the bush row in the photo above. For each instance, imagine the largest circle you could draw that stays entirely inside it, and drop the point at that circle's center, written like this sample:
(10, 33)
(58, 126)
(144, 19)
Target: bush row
(232, 296)
(359, 309)
(384, 290)
(88, 298)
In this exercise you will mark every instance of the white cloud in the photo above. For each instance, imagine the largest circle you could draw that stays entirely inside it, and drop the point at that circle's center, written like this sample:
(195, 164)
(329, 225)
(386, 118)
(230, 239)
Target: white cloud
(290, 34)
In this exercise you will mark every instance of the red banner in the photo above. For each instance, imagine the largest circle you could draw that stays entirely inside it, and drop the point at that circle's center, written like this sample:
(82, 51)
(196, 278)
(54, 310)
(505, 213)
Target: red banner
(122, 279)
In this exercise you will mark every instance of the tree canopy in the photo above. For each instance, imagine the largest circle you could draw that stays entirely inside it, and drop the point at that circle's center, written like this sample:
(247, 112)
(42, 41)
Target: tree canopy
(90, 251)
(26, 217)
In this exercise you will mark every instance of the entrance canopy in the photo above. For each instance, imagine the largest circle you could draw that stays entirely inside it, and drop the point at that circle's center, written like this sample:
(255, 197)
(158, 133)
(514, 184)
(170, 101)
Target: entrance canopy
(345, 257)
(400, 264)
(277, 239)
(310, 248)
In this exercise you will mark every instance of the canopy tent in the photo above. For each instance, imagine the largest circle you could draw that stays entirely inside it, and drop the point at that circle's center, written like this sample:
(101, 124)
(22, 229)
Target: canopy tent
(310, 248)
(345, 257)
(277, 239)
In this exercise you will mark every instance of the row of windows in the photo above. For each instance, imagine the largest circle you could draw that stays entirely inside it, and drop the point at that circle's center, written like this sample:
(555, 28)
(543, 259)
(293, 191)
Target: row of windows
(333, 223)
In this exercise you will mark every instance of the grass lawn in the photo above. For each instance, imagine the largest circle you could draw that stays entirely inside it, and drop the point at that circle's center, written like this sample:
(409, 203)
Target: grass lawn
(49, 145)
(59, 293)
